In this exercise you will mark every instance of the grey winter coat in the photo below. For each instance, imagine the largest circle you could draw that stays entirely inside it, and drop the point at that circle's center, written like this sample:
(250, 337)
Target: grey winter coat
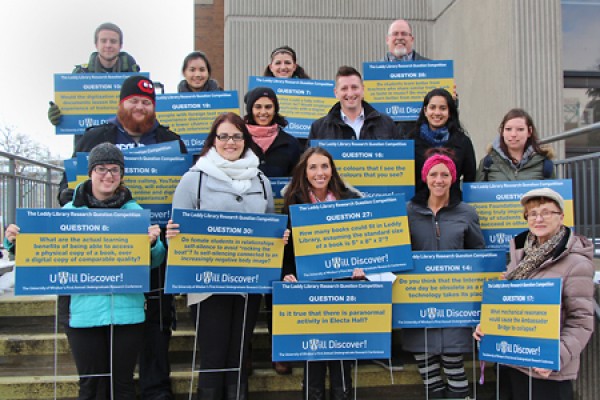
(455, 227)
(571, 261)
(216, 195)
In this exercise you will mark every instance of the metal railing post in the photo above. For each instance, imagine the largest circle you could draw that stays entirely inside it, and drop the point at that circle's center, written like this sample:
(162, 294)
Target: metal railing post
(12, 192)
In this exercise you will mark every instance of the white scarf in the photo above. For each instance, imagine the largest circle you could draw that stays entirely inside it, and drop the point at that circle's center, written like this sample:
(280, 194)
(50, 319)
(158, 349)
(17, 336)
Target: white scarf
(238, 173)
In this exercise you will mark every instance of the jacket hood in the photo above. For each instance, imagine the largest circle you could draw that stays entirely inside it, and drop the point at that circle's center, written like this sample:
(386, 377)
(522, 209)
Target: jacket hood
(495, 146)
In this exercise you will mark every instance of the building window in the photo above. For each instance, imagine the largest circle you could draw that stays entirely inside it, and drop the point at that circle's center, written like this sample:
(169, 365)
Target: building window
(581, 63)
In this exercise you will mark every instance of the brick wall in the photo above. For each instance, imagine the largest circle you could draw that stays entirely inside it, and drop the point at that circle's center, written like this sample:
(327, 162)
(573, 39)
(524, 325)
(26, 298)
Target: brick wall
(209, 29)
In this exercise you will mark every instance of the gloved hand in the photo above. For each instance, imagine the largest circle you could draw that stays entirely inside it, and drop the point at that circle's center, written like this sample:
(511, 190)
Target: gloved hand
(54, 114)
(65, 196)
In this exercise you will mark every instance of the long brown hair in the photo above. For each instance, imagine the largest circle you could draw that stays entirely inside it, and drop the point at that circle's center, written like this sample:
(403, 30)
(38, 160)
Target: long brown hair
(298, 189)
(532, 140)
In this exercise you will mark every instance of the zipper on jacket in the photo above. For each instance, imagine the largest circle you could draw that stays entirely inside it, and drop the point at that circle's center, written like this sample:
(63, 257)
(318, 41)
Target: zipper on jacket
(437, 230)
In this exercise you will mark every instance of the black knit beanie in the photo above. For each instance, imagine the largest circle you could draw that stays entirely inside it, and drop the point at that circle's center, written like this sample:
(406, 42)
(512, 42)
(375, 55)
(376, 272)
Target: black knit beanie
(256, 94)
(105, 153)
(138, 86)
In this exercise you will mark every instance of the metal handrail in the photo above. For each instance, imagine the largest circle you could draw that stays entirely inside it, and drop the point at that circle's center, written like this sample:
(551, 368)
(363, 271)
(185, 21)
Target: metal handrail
(570, 134)
(30, 161)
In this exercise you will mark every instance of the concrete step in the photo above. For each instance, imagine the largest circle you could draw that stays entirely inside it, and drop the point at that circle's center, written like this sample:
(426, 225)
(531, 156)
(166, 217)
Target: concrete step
(264, 380)
(29, 366)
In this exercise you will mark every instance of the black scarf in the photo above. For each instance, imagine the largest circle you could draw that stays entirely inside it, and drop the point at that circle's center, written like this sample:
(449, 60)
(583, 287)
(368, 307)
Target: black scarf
(84, 197)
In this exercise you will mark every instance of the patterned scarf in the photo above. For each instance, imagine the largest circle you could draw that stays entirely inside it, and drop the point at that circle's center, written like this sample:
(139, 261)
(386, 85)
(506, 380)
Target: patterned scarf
(263, 136)
(535, 255)
(436, 138)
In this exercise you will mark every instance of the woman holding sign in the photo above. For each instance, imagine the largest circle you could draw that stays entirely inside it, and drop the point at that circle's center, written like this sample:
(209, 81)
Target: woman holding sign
(316, 180)
(105, 331)
(549, 249)
(439, 220)
(225, 178)
(438, 126)
(516, 153)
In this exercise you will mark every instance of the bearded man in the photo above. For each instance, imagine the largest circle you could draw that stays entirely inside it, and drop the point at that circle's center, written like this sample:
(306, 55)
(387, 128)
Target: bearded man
(135, 125)
(400, 42)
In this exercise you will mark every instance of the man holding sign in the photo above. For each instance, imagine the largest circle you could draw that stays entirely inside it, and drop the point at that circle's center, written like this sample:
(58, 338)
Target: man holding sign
(549, 249)
(108, 39)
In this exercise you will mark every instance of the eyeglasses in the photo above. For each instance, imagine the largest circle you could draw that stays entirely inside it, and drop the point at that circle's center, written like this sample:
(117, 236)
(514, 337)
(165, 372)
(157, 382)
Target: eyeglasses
(545, 214)
(236, 137)
(402, 34)
(103, 171)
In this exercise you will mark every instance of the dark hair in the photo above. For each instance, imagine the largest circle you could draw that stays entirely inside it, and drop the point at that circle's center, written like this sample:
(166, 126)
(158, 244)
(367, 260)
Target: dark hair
(193, 56)
(258, 93)
(299, 186)
(532, 140)
(453, 123)
(238, 122)
(298, 73)
(443, 151)
(108, 26)
(346, 70)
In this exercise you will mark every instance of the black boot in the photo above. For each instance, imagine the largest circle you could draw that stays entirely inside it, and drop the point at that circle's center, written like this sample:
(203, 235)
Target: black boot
(231, 392)
(314, 393)
(210, 394)
(339, 393)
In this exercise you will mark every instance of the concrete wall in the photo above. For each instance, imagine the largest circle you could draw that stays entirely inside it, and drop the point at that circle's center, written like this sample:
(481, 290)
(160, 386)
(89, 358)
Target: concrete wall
(507, 53)
(324, 33)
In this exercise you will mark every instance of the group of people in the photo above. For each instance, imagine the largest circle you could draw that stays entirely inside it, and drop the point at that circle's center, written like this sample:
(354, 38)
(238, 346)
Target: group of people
(232, 174)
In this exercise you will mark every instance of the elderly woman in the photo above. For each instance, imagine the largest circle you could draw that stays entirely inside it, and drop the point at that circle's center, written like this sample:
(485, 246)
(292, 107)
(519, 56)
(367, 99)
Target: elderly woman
(225, 178)
(439, 220)
(283, 64)
(549, 249)
(516, 153)
(105, 331)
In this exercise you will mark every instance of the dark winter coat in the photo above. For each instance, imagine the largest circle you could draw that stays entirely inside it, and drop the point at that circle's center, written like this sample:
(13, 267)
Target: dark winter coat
(464, 158)
(377, 126)
(281, 157)
(454, 227)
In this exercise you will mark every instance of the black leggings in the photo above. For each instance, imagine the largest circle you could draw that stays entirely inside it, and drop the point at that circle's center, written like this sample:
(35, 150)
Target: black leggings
(91, 349)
